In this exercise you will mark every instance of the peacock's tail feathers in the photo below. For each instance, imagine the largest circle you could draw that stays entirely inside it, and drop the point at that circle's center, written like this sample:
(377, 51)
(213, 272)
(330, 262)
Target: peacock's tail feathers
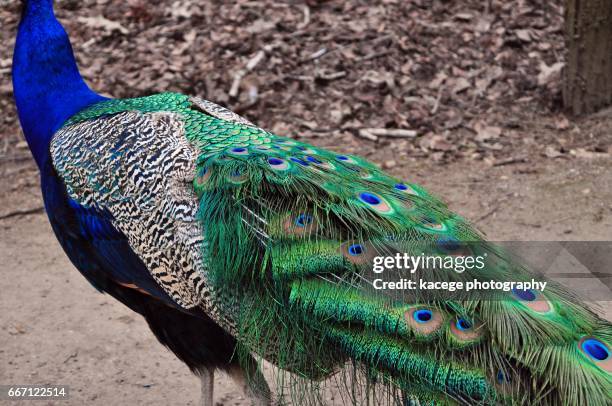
(291, 231)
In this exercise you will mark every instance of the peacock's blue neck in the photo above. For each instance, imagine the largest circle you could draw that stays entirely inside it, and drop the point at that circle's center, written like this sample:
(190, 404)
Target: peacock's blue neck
(47, 85)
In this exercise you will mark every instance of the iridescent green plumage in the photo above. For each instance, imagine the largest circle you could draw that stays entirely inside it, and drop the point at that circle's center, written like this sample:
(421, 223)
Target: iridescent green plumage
(291, 230)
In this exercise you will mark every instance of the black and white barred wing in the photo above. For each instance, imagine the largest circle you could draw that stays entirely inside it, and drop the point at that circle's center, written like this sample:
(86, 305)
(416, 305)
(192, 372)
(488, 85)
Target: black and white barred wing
(139, 168)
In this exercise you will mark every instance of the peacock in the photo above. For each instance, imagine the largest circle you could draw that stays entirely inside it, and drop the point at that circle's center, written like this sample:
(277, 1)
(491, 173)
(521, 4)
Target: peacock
(238, 246)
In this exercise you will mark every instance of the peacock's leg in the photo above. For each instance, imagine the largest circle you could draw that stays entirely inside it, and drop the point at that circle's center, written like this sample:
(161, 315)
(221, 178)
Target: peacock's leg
(207, 376)
(253, 383)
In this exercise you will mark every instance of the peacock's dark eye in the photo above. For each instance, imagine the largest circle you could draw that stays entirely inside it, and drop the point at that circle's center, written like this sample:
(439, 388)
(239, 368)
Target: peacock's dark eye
(356, 249)
(401, 186)
(423, 315)
(463, 324)
(342, 158)
(313, 160)
(238, 150)
(526, 294)
(303, 220)
(595, 349)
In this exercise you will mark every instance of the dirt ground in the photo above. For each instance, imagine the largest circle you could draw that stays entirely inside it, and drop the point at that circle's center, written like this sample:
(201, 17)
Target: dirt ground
(499, 151)
(56, 329)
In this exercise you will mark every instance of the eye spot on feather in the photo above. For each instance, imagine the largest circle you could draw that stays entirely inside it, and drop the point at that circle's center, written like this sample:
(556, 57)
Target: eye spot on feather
(355, 249)
(502, 377)
(432, 224)
(237, 177)
(466, 330)
(502, 381)
(239, 151)
(203, 176)
(370, 198)
(355, 252)
(278, 164)
(423, 320)
(452, 246)
(223, 158)
(302, 224)
(526, 295)
(375, 202)
(365, 175)
(346, 159)
(319, 163)
(595, 349)
(402, 187)
(463, 324)
(532, 299)
(306, 150)
(299, 161)
(597, 352)
(448, 244)
(422, 316)
(303, 220)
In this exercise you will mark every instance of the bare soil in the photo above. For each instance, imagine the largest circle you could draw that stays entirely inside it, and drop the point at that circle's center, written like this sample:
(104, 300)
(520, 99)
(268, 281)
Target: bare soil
(499, 151)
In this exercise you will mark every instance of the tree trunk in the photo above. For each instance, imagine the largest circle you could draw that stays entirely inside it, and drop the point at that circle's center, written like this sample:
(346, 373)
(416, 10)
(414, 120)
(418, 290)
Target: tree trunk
(588, 74)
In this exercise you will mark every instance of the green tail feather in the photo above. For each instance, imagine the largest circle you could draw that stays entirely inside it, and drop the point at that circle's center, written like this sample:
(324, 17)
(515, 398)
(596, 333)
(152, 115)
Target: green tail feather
(280, 220)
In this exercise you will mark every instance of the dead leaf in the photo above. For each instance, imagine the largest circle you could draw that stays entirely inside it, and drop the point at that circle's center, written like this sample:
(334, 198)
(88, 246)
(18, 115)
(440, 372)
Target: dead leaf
(104, 23)
(549, 73)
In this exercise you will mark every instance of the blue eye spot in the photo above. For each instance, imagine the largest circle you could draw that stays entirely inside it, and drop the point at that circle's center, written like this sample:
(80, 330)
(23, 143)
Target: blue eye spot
(356, 249)
(238, 150)
(595, 349)
(275, 161)
(526, 295)
(313, 160)
(502, 378)
(301, 148)
(303, 220)
(342, 158)
(299, 161)
(369, 198)
(449, 244)
(422, 316)
(463, 324)
(401, 186)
